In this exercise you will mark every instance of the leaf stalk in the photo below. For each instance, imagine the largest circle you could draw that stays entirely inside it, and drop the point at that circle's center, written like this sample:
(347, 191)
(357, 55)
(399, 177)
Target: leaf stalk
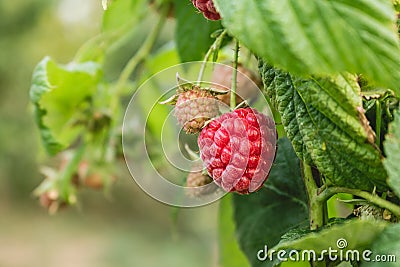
(213, 48)
(234, 76)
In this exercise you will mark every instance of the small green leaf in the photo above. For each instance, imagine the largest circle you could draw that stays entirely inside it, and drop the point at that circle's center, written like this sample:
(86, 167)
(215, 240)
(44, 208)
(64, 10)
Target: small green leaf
(323, 119)
(392, 149)
(386, 246)
(61, 95)
(193, 32)
(264, 216)
(354, 234)
(319, 37)
(230, 253)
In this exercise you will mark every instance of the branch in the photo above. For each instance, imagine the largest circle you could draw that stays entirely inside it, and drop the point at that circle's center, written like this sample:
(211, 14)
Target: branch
(211, 50)
(68, 172)
(315, 206)
(373, 198)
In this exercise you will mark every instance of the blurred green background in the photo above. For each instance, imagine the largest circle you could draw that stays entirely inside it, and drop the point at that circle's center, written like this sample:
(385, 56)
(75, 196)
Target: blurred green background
(126, 228)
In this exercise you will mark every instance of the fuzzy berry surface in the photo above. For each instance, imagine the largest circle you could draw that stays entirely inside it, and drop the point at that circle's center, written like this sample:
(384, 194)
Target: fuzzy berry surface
(194, 107)
(238, 149)
(207, 8)
(196, 182)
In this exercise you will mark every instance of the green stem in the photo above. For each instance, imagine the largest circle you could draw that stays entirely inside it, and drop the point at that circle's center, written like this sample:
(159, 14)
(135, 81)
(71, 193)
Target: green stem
(68, 172)
(375, 199)
(87, 46)
(203, 65)
(378, 122)
(214, 47)
(234, 76)
(316, 209)
(141, 54)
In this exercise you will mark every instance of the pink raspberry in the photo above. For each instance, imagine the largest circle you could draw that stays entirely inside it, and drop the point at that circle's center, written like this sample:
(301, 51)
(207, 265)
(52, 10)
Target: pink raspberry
(207, 8)
(238, 149)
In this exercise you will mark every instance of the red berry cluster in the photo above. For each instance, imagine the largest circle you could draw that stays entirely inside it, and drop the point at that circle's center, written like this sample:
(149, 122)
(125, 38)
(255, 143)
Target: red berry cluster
(238, 149)
(207, 8)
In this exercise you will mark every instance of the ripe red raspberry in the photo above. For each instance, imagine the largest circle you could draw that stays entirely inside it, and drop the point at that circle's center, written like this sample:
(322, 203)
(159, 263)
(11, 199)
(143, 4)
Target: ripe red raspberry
(207, 8)
(238, 149)
(194, 107)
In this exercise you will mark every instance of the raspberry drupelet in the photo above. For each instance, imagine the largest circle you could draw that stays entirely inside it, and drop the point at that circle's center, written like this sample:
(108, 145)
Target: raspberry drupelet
(238, 149)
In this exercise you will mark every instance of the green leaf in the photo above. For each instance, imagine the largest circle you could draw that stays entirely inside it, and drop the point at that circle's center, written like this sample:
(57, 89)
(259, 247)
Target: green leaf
(319, 37)
(358, 234)
(60, 95)
(386, 245)
(264, 216)
(323, 119)
(193, 32)
(229, 251)
(396, 4)
(337, 206)
(392, 149)
(121, 20)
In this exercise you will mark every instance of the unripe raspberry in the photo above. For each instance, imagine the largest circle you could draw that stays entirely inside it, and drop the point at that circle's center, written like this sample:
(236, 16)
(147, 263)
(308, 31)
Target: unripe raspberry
(369, 212)
(207, 8)
(196, 181)
(372, 212)
(238, 149)
(194, 105)
(194, 108)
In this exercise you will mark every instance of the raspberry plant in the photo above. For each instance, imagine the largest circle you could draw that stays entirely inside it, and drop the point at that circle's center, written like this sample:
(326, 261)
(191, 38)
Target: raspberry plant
(331, 73)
